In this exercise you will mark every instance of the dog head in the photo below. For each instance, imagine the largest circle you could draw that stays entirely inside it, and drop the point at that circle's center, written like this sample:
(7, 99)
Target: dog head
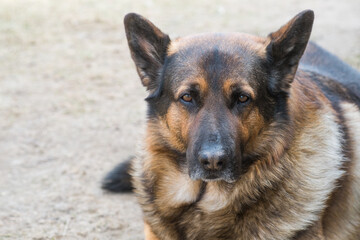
(215, 99)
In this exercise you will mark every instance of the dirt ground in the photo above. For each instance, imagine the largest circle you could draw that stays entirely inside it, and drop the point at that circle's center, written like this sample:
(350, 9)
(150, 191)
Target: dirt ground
(71, 104)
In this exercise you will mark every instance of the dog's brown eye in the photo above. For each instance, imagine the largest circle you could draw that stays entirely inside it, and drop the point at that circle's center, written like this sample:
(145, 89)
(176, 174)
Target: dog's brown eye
(243, 99)
(186, 98)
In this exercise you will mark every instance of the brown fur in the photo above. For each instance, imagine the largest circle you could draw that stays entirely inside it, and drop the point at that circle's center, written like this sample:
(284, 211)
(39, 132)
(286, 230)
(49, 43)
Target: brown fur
(304, 178)
(149, 235)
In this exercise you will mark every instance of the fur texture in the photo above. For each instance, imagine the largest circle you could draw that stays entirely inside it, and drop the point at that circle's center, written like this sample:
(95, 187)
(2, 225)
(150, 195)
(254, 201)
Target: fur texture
(247, 137)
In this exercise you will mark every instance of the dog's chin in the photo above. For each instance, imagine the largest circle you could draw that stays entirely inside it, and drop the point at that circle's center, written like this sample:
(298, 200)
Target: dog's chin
(219, 179)
(211, 177)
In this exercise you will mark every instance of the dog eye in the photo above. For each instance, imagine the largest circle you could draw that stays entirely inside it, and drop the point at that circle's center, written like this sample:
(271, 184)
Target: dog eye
(243, 99)
(186, 97)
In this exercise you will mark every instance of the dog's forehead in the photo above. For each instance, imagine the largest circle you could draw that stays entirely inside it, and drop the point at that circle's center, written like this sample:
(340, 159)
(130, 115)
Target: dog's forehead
(223, 41)
(214, 57)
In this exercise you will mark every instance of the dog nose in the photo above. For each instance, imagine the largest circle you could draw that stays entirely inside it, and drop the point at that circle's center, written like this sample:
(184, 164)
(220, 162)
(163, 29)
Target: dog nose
(212, 159)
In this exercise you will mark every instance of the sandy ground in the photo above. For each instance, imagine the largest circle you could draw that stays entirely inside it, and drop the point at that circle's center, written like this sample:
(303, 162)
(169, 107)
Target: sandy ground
(71, 104)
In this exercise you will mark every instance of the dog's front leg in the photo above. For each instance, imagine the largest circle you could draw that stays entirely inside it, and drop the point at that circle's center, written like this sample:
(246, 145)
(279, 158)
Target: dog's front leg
(149, 235)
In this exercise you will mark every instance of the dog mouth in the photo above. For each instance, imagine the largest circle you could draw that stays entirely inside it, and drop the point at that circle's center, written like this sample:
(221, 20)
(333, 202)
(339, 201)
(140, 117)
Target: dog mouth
(228, 172)
(212, 176)
(218, 179)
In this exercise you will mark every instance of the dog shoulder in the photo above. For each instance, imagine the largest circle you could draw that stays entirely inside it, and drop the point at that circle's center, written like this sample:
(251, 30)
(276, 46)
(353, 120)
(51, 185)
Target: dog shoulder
(342, 219)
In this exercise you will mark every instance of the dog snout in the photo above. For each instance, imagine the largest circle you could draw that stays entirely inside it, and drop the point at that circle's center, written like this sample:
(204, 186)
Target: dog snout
(213, 158)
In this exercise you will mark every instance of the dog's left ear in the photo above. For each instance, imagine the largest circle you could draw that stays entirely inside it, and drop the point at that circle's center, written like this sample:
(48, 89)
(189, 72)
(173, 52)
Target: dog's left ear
(285, 49)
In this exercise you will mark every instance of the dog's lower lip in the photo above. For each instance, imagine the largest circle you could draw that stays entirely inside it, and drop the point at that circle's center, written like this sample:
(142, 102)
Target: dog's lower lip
(211, 178)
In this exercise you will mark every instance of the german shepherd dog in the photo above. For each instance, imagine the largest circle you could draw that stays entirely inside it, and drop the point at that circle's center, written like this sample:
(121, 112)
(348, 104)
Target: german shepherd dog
(247, 137)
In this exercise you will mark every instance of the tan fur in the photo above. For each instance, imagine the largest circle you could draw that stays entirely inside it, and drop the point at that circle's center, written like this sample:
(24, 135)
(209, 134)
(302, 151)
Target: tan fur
(199, 82)
(149, 235)
(215, 198)
(311, 173)
(176, 188)
(308, 172)
(231, 83)
(298, 186)
(174, 128)
(343, 220)
(290, 166)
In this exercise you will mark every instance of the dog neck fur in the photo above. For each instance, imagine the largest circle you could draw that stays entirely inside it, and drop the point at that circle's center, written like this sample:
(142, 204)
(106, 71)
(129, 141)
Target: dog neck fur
(312, 160)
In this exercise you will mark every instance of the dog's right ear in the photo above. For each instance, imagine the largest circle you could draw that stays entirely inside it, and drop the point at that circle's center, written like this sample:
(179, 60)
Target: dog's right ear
(148, 46)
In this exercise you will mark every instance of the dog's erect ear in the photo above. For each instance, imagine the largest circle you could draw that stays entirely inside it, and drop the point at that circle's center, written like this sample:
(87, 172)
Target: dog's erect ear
(285, 49)
(148, 46)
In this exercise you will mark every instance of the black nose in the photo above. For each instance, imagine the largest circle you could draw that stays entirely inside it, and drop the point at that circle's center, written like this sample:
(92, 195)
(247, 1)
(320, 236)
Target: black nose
(212, 159)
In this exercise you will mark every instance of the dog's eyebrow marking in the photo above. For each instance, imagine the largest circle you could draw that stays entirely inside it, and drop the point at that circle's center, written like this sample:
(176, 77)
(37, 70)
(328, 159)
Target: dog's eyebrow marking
(199, 84)
(230, 84)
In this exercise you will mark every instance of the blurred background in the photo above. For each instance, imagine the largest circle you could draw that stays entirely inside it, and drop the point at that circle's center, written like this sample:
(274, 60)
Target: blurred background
(71, 103)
